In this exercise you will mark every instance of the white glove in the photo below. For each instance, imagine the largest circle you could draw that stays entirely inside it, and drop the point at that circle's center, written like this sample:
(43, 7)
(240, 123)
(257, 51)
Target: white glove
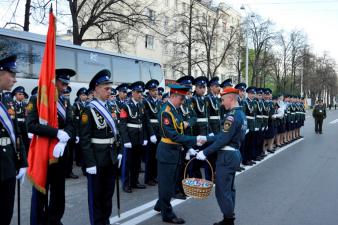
(192, 152)
(119, 158)
(211, 134)
(30, 135)
(187, 156)
(200, 156)
(153, 139)
(201, 140)
(63, 136)
(77, 139)
(21, 175)
(91, 170)
(59, 149)
(127, 145)
(247, 131)
(145, 142)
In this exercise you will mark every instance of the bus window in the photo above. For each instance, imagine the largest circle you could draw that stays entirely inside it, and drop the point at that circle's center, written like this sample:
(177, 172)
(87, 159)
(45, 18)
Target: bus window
(65, 58)
(37, 50)
(125, 70)
(9, 46)
(151, 71)
(89, 63)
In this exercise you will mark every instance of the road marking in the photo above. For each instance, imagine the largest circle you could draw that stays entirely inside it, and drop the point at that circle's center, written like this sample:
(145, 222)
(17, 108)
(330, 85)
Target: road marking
(334, 121)
(147, 215)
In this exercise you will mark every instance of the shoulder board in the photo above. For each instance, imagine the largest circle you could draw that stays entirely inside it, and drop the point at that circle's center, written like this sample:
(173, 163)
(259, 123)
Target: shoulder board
(167, 108)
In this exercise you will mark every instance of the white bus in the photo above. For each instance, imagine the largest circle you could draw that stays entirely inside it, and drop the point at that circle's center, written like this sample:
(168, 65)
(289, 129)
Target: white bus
(86, 62)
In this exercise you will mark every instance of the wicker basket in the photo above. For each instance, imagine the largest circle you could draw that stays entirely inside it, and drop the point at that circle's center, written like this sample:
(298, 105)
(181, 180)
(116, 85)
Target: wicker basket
(200, 192)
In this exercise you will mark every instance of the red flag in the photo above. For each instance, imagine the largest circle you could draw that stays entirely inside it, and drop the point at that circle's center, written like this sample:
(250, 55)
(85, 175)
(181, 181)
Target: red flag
(41, 148)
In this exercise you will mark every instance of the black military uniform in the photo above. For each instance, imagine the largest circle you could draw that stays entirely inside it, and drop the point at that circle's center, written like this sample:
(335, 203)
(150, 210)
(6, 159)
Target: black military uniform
(78, 107)
(214, 103)
(12, 151)
(120, 102)
(20, 111)
(319, 114)
(224, 84)
(133, 126)
(169, 154)
(99, 141)
(152, 107)
(56, 171)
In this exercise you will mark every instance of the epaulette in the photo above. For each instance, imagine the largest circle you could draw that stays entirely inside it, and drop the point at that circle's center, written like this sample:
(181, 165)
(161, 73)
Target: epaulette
(167, 108)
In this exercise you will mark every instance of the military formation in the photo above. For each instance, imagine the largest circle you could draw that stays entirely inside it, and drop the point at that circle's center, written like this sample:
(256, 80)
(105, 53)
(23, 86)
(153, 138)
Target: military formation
(114, 134)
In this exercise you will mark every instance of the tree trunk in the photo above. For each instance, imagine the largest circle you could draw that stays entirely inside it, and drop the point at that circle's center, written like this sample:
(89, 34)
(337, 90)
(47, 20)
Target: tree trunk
(27, 15)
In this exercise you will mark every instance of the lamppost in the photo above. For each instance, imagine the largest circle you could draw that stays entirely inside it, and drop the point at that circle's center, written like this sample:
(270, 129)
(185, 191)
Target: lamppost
(246, 48)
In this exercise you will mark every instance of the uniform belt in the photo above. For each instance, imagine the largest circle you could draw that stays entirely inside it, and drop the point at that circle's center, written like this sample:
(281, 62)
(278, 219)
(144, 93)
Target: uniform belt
(199, 120)
(77, 117)
(133, 125)
(105, 141)
(4, 141)
(265, 117)
(153, 120)
(259, 116)
(250, 117)
(228, 148)
(168, 141)
(21, 119)
(214, 117)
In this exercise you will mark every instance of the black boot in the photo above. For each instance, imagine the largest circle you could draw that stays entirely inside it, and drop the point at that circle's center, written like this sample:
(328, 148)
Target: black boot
(226, 221)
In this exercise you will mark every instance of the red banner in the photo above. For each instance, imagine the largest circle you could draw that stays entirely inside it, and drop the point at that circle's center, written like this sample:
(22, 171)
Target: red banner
(41, 148)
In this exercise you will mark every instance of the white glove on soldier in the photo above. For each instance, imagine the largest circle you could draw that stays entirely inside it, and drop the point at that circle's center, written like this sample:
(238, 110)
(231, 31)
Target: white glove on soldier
(62, 136)
(211, 134)
(91, 170)
(201, 140)
(59, 149)
(153, 139)
(192, 152)
(21, 175)
(145, 142)
(77, 139)
(119, 158)
(127, 145)
(187, 156)
(30, 135)
(200, 156)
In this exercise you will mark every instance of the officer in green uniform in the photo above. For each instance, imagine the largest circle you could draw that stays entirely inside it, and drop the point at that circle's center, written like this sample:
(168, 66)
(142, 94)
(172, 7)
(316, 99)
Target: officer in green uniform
(13, 161)
(20, 111)
(169, 151)
(319, 114)
(227, 144)
(56, 171)
(224, 84)
(99, 141)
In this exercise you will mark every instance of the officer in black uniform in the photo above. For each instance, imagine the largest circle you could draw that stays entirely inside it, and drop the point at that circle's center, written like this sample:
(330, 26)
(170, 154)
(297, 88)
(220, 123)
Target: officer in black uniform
(54, 211)
(133, 126)
(152, 107)
(13, 161)
(169, 151)
(214, 103)
(78, 107)
(20, 112)
(99, 141)
(121, 99)
(227, 145)
(188, 114)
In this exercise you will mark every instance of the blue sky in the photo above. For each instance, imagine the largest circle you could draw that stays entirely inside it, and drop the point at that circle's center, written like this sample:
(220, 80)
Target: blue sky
(317, 18)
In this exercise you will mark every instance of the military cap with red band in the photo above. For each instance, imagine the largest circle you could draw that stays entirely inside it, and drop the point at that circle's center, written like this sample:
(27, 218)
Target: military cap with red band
(229, 90)
(179, 89)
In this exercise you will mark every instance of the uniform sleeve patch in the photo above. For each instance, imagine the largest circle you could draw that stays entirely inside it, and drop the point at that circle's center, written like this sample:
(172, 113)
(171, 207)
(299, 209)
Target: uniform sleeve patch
(123, 114)
(11, 112)
(227, 125)
(29, 107)
(166, 121)
(230, 118)
(84, 118)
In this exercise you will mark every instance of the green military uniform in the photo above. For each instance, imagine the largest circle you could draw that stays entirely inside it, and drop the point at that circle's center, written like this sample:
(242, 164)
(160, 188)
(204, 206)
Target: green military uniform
(169, 156)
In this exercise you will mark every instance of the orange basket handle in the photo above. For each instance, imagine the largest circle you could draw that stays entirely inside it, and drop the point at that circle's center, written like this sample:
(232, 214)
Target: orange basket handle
(186, 166)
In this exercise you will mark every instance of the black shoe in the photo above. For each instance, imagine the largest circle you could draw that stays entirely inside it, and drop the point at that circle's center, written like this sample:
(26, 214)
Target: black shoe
(72, 176)
(180, 195)
(226, 221)
(241, 168)
(271, 151)
(139, 186)
(157, 209)
(175, 220)
(252, 163)
(127, 189)
(151, 183)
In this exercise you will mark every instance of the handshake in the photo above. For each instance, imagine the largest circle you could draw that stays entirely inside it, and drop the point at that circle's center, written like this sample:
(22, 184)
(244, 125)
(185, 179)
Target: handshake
(201, 140)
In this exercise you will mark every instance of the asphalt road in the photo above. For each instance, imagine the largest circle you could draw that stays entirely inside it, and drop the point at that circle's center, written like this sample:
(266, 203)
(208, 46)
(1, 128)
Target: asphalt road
(296, 186)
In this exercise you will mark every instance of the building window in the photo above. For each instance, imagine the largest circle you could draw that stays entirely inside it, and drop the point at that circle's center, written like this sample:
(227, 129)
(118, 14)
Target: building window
(176, 4)
(165, 72)
(165, 48)
(167, 3)
(166, 22)
(149, 41)
(151, 15)
(183, 6)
